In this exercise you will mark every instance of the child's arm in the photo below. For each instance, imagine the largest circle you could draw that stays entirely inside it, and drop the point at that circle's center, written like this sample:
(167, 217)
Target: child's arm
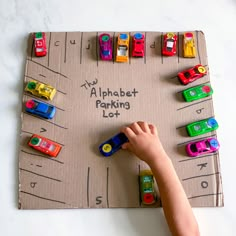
(145, 144)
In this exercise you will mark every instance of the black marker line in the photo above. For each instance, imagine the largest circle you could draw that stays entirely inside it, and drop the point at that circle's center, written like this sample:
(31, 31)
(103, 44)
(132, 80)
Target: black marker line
(205, 195)
(113, 46)
(44, 176)
(33, 154)
(59, 91)
(198, 51)
(58, 73)
(145, 48)
(39, 166)
(42, 75)
(200, 157)
(60, 126)
(65, 47)
(130, 48)
(199, 176)
(194, 104)
(49, 46)
(178, 46)
(183, 126)
(88, 175)
(107, 186)
(81, 47)
(52, 200)
(97, 47)
(31, 95)
(205, 83)
(174, 77)
(43, 83)
(26, 132)
(161, 47)
(32, 47)
(197, 139)
(140, 200)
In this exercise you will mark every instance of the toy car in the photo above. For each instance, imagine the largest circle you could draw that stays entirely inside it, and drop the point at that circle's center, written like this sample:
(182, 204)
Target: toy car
(138, 45)
(105, 43)
(113, 144)
(146, 185)
(202, 147)
(192, 74)
(169, 45)
(40, 47)
(44, 145)
(198, 92)
(189, 45)
(40, 109)
(40, 90)
(202, 127)
(122, 53)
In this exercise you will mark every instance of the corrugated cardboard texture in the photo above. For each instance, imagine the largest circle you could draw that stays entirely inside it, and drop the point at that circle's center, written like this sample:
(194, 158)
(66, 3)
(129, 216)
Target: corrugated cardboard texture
(94, 99)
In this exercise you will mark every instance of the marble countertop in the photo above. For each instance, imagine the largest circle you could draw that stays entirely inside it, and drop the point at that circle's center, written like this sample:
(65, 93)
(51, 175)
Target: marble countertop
(19, 18)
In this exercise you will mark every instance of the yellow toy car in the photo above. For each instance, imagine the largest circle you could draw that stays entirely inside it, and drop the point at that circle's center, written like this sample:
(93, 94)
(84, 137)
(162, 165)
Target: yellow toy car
(189, 45)
(40, 90)
(122, 52)
(146, 187)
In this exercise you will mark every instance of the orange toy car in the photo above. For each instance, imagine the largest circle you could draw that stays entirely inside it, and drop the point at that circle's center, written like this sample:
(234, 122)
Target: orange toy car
(44, 145)
(122, 52)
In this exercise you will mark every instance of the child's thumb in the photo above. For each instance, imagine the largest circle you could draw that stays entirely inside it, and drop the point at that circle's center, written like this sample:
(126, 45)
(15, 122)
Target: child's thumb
(125, 146)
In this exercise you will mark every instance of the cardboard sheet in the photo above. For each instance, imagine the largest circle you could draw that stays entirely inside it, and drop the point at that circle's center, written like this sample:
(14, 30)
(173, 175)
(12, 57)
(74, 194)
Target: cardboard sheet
(94, 99)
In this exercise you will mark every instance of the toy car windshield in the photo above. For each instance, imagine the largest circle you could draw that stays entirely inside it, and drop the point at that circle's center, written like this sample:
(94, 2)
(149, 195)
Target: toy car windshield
(122, 50)
(170, 44)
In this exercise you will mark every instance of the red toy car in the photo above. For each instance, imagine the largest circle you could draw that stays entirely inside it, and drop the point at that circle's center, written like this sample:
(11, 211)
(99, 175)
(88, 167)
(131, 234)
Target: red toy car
(44, 145)
(40, 47)
(190, 75)
(169, 46)
(138, 45)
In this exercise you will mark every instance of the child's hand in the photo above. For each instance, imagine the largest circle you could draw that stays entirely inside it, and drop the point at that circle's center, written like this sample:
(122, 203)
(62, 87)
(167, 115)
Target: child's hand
(143, 141)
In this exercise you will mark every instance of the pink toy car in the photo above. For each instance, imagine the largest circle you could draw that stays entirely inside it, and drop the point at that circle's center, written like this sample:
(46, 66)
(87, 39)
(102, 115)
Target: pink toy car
(105, 43)
(202, 147)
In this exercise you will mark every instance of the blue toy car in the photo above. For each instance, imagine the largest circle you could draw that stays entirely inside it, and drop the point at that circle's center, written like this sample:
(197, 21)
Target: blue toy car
(113, 144)
(40, 109)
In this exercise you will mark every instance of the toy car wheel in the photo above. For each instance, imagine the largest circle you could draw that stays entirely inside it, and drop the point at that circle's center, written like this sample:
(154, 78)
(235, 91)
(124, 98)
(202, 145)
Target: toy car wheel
(30, 104)
(189, 35)
(105, 38)
(31, 85)
(138, 36)
(35, 141)
(123, 36)
(212, 122)
(170, 35)
(214, 143)
(201, 69)
(44, 97)
(206, 89)
(148, 198)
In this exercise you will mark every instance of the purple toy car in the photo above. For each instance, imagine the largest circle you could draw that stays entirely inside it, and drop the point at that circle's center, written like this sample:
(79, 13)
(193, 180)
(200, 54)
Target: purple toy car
(105, 42)
(202, 147)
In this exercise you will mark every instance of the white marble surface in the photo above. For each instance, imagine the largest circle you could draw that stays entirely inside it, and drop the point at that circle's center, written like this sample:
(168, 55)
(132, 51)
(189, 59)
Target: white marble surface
(18, 18)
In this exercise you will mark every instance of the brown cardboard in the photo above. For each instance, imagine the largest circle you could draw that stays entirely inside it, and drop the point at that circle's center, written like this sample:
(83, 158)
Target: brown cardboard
(80, 177)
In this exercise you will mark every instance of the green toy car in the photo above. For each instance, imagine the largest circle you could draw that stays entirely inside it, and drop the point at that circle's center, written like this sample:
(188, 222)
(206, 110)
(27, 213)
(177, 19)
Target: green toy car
(202, 127)
(198, 92)
(147, 192)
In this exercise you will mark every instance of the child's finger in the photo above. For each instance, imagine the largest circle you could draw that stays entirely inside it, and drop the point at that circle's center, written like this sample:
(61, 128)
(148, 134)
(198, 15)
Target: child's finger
(128, 132)
(153, 129)
(125, 146)
(144, 126)
(136, 128)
